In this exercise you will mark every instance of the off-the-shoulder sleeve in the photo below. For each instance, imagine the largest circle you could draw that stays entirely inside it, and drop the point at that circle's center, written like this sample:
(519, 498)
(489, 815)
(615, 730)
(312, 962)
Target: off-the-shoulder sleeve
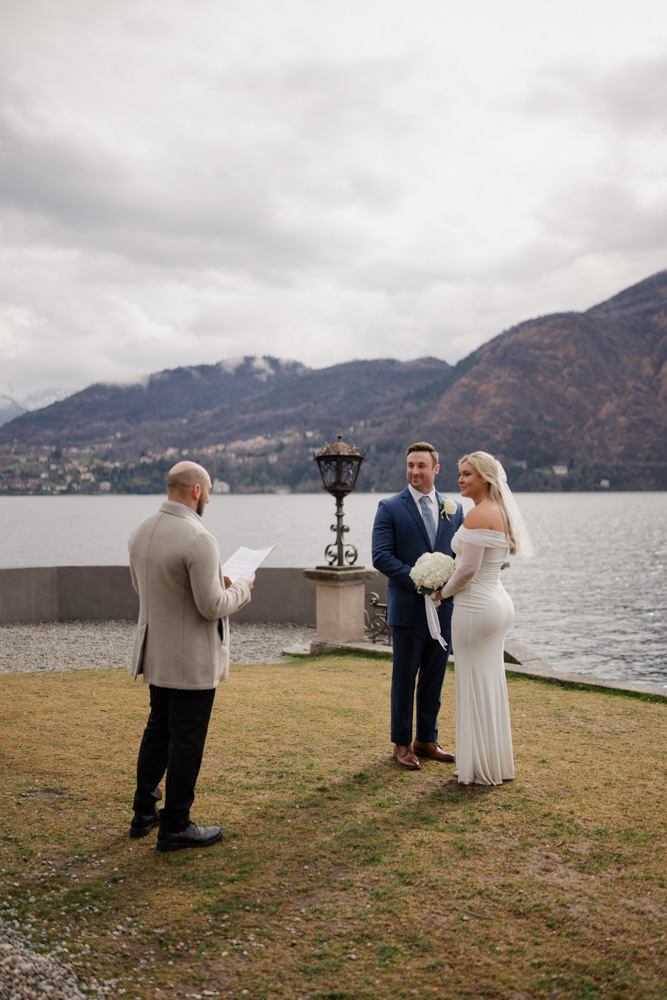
(484, 537)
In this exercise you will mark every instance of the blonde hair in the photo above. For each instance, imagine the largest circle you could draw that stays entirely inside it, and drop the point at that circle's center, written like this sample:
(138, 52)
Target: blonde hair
(486, 467)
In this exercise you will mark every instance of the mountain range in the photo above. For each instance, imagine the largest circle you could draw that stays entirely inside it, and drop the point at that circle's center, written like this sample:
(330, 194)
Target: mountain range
(9, 408)
(566, 401)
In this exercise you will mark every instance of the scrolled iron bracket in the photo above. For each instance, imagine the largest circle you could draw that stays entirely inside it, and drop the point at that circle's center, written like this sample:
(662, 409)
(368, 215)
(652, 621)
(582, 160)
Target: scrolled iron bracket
(376, 627)
(350, 553)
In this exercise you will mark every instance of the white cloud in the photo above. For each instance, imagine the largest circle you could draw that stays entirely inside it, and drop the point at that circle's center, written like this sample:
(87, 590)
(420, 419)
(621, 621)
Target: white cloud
(183, 183)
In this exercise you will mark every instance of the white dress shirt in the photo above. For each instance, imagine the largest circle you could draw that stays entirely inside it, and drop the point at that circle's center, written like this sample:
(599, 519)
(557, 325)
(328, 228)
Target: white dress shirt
(416, 496)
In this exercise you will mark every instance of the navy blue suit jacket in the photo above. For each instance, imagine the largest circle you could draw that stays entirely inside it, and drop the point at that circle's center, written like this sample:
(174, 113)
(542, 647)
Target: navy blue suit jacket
(399, 539)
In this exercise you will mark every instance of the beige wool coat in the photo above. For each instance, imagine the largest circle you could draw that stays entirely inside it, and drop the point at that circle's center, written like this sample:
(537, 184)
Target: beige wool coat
(182, 638)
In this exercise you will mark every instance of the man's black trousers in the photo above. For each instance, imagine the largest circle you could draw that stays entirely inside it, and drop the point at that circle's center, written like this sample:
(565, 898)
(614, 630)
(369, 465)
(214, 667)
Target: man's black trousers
(173, 741)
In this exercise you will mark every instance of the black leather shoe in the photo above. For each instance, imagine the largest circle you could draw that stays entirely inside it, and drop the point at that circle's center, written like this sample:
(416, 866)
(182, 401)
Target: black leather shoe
(142, 824)
(192, 836)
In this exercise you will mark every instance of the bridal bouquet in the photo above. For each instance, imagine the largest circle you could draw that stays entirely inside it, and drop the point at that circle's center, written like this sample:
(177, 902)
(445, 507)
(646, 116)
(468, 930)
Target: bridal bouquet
(432, 571)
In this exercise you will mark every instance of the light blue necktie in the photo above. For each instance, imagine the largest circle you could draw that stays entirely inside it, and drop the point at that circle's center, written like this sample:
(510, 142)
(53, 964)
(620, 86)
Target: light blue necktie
(428, 519)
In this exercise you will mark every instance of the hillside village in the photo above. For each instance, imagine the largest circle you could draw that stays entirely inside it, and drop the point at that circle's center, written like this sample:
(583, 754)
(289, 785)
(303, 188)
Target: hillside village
(570, 401)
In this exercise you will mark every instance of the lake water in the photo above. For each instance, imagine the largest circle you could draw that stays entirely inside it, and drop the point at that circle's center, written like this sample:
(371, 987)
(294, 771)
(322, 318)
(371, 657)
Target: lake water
(593, 601)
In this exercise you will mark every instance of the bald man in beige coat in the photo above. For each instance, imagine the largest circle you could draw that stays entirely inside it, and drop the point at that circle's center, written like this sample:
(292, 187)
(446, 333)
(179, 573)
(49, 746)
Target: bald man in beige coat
(182, 649)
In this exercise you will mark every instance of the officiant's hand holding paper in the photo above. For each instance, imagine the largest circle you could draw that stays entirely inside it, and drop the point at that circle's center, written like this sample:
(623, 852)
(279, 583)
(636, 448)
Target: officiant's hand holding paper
(250, 580)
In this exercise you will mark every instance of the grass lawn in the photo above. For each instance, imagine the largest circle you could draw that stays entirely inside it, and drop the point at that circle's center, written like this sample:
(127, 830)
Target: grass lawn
(340, 876)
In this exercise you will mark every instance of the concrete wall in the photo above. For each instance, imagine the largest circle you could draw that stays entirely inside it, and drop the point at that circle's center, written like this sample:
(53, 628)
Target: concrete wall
(29, 595)
(69, 593)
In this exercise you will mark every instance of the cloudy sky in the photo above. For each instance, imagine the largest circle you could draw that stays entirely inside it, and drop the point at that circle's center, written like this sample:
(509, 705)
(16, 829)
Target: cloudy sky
(184, 181)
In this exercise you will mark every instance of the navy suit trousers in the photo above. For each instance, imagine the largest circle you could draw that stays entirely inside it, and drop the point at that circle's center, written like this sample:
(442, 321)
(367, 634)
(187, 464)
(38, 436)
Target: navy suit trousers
(418, 660)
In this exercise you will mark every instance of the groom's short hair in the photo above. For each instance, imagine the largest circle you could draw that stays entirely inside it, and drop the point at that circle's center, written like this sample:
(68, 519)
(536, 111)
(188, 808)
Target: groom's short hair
(424, 446)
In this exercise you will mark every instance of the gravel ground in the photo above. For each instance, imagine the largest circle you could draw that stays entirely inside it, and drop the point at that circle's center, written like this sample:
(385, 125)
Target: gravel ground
(85, 645)
(24, 975)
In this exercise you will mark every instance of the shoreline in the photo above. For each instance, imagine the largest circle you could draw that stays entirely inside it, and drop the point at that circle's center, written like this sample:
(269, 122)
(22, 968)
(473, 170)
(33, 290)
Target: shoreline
(90, 644)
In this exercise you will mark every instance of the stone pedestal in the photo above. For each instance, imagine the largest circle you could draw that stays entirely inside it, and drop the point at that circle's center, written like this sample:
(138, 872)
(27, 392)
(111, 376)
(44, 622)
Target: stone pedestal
(340, 597)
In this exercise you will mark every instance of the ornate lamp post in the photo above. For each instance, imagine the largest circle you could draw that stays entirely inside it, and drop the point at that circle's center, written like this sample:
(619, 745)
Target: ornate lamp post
(339, 465)
(340, 587)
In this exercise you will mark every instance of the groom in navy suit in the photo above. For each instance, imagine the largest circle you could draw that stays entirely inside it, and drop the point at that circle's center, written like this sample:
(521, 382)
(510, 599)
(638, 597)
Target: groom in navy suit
(407, 525)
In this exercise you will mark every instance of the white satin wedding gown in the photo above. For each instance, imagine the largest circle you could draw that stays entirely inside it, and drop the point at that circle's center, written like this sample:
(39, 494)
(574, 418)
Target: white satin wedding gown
(483, 613)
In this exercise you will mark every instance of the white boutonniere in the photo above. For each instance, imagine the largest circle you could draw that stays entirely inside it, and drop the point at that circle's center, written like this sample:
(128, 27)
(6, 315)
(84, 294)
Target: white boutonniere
(447, 507)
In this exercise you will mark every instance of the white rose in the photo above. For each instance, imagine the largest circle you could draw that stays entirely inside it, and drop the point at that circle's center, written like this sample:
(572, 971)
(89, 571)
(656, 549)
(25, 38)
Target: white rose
(431, 571)
(448, 507)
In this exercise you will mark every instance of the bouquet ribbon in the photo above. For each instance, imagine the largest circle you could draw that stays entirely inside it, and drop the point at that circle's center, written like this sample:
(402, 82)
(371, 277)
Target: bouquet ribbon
(433, 621)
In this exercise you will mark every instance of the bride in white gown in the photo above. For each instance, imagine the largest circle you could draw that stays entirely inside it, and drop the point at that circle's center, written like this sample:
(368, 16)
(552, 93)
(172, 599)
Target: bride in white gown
(483, 613)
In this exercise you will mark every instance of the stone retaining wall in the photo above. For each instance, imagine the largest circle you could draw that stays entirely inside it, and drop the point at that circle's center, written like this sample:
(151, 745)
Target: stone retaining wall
(280, 595)
(71, 593)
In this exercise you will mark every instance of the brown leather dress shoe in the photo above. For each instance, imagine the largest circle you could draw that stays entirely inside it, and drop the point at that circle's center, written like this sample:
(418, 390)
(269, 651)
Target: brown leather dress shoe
(434, 751)
(405, 757)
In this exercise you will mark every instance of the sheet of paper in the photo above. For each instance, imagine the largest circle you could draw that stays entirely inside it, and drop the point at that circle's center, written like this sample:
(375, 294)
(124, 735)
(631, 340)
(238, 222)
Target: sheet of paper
(244, 562)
